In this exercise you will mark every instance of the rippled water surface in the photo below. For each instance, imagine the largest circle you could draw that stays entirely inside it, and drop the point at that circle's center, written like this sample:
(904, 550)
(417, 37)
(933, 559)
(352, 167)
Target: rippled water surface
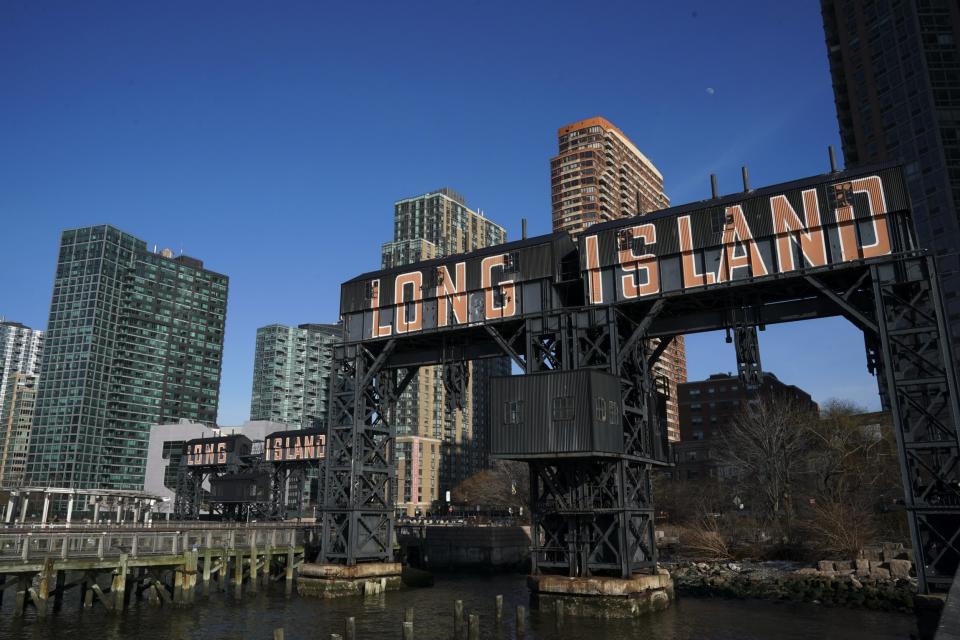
(257, 615)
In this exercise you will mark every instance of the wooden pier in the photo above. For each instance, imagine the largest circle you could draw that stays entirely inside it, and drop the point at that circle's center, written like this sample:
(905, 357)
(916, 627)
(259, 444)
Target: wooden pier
(164, 564)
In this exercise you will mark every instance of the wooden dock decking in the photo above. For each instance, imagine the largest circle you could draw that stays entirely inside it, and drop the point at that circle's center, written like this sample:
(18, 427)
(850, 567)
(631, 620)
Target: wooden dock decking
(161, 562)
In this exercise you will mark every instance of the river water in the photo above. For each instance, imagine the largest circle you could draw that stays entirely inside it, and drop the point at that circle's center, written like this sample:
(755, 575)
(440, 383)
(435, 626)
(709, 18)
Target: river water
(255, 616)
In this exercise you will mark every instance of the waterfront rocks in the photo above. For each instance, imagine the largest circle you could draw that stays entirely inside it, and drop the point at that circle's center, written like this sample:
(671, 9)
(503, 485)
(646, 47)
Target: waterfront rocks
(830, 583)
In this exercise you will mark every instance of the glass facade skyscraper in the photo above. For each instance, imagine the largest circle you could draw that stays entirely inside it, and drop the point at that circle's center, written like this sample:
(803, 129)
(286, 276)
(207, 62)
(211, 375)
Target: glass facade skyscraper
(134, 338)
(895, 67)
(291, 373)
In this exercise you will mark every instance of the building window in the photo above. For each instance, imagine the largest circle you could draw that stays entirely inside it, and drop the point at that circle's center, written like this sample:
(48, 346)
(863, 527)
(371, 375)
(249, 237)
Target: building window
(563, 408)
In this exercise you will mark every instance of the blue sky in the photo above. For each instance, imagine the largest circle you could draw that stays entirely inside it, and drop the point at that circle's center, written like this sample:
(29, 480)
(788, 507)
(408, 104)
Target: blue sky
(271, 139)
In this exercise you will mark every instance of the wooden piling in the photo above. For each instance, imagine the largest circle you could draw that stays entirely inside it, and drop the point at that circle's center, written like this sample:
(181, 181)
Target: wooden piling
(118, 586)
(559, 612)
(498, 608)
(289, 571)
(407, 630)
(474, 627)
(207, 565)
(20, 602)
(59, 590)
(408, 615)
(458, 619)
(178, 584)
(267, 565)
(278, 634)
(238, 573)
(253, 566)
(335, 636)
(350, 629)
(521, 620)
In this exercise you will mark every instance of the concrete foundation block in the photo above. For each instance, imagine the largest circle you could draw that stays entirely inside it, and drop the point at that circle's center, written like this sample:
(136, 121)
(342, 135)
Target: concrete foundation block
(603, 597)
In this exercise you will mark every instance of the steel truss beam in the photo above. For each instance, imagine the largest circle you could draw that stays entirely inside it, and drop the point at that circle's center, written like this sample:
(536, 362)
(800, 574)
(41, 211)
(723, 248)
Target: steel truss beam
(359, 474)
(897, 305)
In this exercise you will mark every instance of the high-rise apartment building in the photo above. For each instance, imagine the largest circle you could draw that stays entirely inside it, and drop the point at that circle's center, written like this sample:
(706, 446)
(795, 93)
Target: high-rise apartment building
(896, 80)
(134, 338)
(291, 373)
(598, 175)
(437, 449)
(20, 353)
(16, 417)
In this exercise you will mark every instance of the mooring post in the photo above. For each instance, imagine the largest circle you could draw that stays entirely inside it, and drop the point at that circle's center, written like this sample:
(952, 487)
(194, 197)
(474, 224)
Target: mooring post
(474, 633)
(191, 575)
(253, 563)
(408, 615)
(267, 565)
(458, 619)
(335, 636)
(118, 587)
(350, 629)
(407, 630)
(521, 620)
(278, 634)
(558, 605)
(499, 609)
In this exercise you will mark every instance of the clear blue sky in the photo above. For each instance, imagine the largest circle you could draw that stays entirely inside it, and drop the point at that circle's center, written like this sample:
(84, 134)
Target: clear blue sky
(271, 139)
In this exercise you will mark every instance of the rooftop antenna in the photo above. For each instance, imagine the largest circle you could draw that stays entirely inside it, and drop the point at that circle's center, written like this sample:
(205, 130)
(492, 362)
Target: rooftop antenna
(833, 158)
(713, 185)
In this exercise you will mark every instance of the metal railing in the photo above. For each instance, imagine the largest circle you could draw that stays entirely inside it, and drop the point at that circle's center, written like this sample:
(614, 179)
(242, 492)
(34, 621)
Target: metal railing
(68, 544)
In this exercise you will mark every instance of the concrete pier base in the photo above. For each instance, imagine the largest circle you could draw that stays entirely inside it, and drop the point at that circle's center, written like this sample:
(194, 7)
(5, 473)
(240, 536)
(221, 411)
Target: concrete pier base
(602, 597)
(336, 580)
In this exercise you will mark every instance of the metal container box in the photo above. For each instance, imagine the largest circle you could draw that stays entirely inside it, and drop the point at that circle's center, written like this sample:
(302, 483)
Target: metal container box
(244, 487)
(556, 414)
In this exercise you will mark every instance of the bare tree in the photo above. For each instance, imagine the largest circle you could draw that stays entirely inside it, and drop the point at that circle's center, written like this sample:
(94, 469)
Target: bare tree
(765, 447)
(506, 483)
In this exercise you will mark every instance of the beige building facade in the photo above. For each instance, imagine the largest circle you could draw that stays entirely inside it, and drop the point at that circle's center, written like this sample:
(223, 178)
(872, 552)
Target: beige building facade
(437, 448)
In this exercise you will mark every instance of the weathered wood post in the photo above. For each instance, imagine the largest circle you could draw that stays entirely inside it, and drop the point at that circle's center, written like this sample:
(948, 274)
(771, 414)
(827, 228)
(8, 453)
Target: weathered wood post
(278, 634)
(253, 562)
(238, 573)
(350, 630)
(289, 570)
(458, 619)
(118, 586)
(335, 636)
(178, 584)
(58, 590)
(207, 562)
(20, 602)
(407, 630)
(408, 615)
(498, 607)
(559, 610)
(190, 575)
(43, 593)
(474, 629)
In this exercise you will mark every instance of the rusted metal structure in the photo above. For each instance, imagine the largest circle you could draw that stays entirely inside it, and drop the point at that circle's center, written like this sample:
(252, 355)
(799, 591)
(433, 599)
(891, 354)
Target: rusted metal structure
(840, 244)
(247, 482)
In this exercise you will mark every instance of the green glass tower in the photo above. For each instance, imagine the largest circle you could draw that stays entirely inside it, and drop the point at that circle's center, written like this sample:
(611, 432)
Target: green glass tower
(134, 338)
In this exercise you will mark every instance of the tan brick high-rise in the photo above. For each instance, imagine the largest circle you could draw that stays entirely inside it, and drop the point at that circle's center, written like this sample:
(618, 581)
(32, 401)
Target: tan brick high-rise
(436, 449)
(600, 175)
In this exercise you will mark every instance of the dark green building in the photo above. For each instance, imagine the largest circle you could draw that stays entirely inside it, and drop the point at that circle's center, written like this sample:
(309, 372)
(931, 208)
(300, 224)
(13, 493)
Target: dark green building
(135, 339)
